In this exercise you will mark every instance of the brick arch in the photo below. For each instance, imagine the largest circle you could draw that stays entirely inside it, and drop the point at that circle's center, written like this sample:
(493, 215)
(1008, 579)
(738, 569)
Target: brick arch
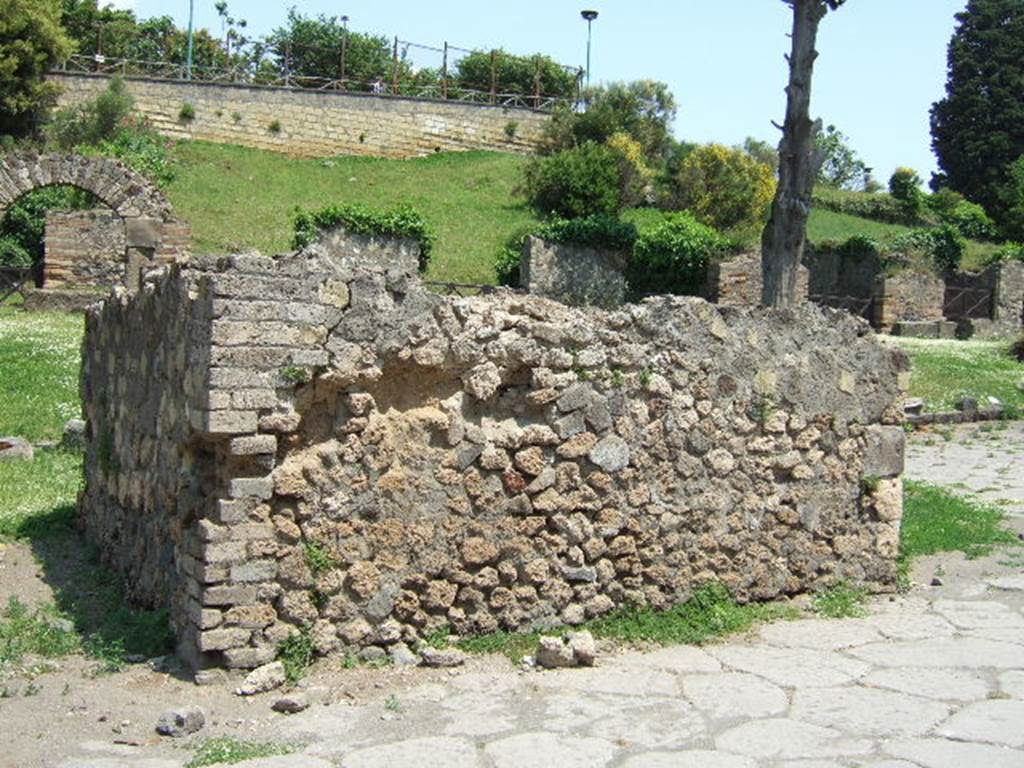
(146, 212)
(128, 193)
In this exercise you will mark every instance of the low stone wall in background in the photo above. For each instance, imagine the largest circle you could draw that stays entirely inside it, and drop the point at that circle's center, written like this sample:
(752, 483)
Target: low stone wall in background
(987, 304)
(907, 297)
(574, 274)
(739, 282)
(316, 443)
(317, 123)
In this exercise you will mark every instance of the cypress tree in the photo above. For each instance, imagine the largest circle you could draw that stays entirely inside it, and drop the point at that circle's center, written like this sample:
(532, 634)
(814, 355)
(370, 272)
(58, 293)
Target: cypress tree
(978, 128)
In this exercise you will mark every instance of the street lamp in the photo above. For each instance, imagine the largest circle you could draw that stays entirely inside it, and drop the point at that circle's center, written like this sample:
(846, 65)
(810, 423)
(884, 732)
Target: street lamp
(589, 16)
(188, 55)
(344, 47)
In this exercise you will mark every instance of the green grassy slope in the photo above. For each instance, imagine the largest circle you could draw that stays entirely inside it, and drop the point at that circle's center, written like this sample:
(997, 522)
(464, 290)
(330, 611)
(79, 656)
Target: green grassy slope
(237, 198)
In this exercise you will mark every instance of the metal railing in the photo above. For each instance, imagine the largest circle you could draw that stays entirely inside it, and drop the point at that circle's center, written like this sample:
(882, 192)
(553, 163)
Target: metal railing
(13, 281)
(261, 70)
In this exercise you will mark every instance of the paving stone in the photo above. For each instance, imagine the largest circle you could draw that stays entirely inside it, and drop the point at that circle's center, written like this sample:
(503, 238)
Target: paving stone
(1012, 684)
(999, 635)
(996, 721)
(694, 758)
(1008, 583)
(942, 753)
(611, 681)
(789, 739)
(655, 724)
(979, 614)
(867, 711)
(911, 626)
(803, 668)
(548, 750)
(821, 634)
(431, 752)
(114, 762)
(679, 658)
(941, 684)
(967, 653)
(288, 761)
(734, 695)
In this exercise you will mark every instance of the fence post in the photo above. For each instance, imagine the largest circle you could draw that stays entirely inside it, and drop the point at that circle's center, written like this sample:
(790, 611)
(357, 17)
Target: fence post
(444, 72)
(536, 84)
(344, 51)
(394, 68)
(494, 77)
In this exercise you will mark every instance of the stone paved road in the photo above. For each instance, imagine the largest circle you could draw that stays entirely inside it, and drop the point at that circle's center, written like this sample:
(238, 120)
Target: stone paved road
(932, 680)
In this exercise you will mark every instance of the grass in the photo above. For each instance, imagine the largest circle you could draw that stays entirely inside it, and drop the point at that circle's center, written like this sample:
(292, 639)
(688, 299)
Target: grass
(40, 631)
(945, 370)
(935, 520)
(226, 750)
(829, 225)
(237, 198)
(39, 357)
(841, 601)
(37, 490)
(710, 613)
(296, 653)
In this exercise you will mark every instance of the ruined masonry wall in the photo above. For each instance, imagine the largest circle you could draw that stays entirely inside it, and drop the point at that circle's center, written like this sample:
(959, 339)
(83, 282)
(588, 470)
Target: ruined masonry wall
(343, 451)
(317, 123)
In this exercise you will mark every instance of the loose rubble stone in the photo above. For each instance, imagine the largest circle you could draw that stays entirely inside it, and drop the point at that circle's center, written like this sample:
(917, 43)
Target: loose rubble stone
(584, 649)
(263, 679)
(181, 722)
(73, 438)
(291, 704)
(554, 653)
(450, 657)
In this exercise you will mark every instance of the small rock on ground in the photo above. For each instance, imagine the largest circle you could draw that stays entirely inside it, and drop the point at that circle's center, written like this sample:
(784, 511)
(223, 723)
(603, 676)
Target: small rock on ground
(451, 657)
(290, 705)
(181, 722)
(15, 449)
(262, 679)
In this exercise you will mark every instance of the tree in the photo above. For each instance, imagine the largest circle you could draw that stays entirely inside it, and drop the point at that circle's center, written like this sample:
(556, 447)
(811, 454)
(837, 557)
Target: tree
(840, 166)
(784, 238)
(31, 41)
(515, 74)
(312, 47)
(724, 187)
(978, 128)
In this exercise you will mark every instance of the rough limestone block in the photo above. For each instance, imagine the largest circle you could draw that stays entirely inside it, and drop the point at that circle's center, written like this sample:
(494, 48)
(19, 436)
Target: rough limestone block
(884, 456)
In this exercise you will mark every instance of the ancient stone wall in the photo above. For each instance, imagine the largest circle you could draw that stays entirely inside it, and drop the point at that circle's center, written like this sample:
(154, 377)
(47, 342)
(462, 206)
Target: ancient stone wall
(908, 296)
(83, 248)
(331, 447)
(318, 123)
(739, 282)
(574, 274)
(838, 275)
(987, 304)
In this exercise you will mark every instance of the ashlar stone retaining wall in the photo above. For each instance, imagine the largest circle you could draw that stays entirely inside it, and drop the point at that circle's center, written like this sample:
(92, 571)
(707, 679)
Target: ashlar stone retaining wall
(313, 123)
(315, 441)
(574, 274)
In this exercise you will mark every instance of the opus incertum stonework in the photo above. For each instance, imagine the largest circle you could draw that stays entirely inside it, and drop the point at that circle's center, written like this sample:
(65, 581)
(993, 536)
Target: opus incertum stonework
(316, 441)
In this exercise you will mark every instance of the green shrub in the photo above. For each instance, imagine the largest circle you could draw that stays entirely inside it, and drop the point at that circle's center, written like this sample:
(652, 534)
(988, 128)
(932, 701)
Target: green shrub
(402, 221)
(187, 113)
(599, 231)
(971, 221)
(859, 246)
(296, 654)
(141, 148)
(274, 127)
(905, 187)
(877, 207)
(94, 121)
(1008, 252)
(13, 254)
(944, 202)
(673, 257)
(576, 182)
(939, 249)
(724, 187)
(24, 225)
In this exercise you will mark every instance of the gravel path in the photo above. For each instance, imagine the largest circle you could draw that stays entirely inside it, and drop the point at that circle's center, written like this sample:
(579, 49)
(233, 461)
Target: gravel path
(934, 679)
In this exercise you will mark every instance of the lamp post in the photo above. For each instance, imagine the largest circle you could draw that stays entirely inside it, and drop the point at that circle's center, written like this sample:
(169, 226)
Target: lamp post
(344, 47)
(188, 55)
(589, 17)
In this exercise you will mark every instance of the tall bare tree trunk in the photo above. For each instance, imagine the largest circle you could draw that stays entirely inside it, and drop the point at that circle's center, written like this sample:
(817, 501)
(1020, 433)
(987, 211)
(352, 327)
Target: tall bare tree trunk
(784, 237)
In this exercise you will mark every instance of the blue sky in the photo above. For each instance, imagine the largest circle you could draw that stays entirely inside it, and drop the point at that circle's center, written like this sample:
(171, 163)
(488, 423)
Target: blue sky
(883, 62)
